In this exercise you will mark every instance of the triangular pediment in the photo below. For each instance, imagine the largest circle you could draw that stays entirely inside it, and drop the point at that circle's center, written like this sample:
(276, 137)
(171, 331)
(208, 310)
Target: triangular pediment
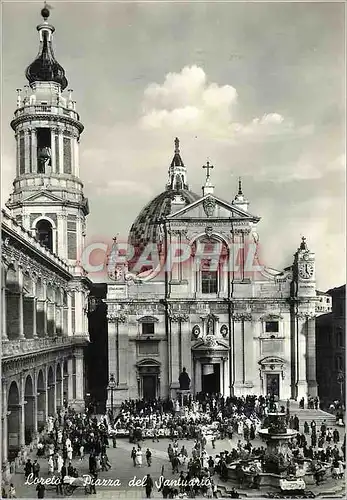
(42, 197)
(212, 208)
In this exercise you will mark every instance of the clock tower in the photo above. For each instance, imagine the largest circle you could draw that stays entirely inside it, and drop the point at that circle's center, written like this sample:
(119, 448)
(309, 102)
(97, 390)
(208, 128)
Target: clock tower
(304, 271)
(304, 300)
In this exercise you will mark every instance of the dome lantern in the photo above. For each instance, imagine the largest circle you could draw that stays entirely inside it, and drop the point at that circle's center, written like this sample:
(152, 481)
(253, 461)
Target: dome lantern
(45, 67)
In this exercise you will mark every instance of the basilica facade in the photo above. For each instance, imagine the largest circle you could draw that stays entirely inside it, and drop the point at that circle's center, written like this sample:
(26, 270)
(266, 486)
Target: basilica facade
(44, 291)
(191, 293)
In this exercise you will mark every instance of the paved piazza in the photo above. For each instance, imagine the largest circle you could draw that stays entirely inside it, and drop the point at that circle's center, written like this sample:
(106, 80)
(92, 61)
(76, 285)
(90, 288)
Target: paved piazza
(123, 470)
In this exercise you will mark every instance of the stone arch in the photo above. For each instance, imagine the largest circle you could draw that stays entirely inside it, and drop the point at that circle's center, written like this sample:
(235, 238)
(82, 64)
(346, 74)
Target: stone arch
(51, 392)
(209, 262)
(59, 386)
(13, 423)
(41, 401)
(29, 415)
(44, 233)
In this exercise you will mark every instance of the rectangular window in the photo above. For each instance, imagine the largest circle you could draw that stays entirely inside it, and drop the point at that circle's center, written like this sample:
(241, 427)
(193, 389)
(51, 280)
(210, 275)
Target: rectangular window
(147, 328)
(21, 154)
(67, 155)
(271, 326)
(209, 281)
(71, 239)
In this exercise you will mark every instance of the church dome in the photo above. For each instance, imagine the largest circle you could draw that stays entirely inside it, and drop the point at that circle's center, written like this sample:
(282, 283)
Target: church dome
(45, 68)
(147, 228)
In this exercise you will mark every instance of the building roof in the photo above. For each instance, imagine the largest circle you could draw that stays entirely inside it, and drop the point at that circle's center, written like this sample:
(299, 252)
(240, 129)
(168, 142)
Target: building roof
(45, 68)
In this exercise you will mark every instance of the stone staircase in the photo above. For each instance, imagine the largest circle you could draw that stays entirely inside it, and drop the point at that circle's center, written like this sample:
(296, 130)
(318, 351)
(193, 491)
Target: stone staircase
(307, 415)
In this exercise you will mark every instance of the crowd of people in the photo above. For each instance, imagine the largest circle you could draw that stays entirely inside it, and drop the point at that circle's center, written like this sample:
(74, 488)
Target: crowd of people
(73, 438)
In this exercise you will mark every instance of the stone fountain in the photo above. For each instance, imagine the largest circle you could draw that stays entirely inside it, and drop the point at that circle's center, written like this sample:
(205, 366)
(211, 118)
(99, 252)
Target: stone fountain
(277, 438)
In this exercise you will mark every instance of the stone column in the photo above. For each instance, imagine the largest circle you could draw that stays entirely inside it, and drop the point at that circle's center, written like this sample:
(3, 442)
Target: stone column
(27, 149)
(33, 151)
(175, 354)
(61, 151)
(35, 402)
(44, 292)
(4, 421)
(79, 378)
(34, 311)
(301, 331)
(311, 357)
(186, 352)
(238, 354)
(22, 411)
(53, 161)
(3, 306)
(251, 366)
(198, 375)
(70, 380)
(46, 393)
(20, 306)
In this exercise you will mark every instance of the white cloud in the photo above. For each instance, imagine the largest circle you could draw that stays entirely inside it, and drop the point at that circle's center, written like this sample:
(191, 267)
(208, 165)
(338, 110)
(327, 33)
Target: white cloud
(187, 101)
(119, 187)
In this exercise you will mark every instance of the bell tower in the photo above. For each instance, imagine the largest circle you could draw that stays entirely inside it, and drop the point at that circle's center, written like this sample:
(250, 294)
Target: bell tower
(47, 197)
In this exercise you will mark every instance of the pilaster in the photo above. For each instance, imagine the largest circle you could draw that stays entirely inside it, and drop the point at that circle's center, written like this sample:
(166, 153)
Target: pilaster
(20, 306)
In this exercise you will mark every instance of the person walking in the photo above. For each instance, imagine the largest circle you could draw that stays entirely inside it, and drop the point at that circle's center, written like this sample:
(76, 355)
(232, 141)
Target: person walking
(149, 457)
(36, 469)
(40, 488)
(148, 486)
(133, 456)
(28, 468)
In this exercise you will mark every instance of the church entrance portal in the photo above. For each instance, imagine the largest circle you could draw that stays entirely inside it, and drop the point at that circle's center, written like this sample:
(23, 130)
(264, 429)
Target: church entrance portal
(211, 378)
(273, 384)
(149, 383)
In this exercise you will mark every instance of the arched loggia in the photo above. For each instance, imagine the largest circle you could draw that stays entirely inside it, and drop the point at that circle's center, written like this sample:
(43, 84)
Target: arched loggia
(51, 392)
(41, 402)
(13, 425)
(29, 410)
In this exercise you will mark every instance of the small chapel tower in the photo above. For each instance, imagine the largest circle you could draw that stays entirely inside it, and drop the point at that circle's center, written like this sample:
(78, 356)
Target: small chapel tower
(47, 197)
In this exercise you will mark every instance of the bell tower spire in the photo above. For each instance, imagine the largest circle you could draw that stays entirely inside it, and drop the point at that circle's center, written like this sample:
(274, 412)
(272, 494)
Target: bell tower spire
(177, 171)
(47, 197)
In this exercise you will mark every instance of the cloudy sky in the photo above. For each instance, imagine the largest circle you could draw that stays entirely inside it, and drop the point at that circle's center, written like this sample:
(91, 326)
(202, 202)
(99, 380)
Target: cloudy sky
(256, 88)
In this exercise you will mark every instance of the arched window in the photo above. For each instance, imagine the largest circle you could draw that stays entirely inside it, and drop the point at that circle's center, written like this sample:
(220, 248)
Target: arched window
(44, 233)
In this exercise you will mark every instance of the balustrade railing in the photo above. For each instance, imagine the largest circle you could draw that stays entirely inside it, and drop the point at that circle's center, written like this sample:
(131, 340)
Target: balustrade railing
(41, 108)
(26, 346)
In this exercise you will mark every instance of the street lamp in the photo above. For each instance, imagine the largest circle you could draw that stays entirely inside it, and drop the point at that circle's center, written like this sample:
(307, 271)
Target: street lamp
(340, 381)
(112, 387)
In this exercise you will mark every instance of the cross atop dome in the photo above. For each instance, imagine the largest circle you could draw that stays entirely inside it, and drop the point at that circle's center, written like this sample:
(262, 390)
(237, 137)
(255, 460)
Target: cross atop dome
(208, 188)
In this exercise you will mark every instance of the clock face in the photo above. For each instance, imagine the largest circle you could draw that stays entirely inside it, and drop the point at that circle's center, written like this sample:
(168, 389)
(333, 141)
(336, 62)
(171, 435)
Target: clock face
(306, 270)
